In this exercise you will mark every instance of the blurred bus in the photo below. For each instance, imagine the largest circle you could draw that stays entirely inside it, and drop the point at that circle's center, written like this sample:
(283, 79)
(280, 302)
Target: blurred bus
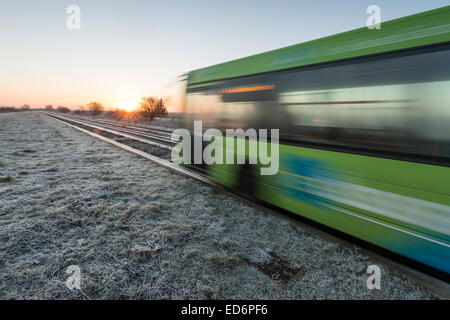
(364, 125)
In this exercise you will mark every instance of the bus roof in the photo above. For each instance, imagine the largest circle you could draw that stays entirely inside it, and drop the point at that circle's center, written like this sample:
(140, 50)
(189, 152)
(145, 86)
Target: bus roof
(416, 30)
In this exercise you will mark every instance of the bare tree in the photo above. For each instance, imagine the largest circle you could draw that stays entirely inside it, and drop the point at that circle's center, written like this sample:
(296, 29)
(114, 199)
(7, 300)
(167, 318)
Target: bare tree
(95, 108)
(49, 107)
(152, 107)
(63, 109)
(25, 107)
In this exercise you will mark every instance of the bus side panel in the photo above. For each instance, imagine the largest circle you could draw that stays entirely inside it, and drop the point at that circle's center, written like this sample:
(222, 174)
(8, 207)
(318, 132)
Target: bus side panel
(364, 197)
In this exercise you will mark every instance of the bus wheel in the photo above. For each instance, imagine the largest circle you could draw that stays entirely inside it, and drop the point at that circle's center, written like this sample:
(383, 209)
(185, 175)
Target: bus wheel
(246, 184)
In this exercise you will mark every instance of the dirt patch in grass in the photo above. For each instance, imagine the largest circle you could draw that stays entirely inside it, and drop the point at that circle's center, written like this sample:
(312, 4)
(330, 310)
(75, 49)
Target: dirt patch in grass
(6, 179)
(275, 267)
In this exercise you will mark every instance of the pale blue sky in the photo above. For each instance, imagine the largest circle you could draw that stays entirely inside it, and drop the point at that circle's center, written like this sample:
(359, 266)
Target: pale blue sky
(126, 49)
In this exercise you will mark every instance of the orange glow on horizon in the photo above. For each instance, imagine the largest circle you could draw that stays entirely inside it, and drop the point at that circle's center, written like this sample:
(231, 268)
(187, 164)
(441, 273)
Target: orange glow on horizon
(129, 105)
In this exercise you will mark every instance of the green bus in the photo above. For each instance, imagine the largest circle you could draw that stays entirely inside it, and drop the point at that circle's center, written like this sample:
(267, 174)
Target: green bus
(364, 131)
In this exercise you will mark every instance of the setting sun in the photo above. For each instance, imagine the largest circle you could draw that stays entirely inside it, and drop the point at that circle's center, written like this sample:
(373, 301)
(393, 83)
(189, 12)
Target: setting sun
(129, 105)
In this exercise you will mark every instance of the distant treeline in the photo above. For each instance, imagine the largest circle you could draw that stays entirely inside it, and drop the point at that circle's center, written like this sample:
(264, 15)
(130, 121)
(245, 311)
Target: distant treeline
(149, 108)
(25, 107)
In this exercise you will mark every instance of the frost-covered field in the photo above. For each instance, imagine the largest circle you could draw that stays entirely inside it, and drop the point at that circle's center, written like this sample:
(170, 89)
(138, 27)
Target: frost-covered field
(138, 231)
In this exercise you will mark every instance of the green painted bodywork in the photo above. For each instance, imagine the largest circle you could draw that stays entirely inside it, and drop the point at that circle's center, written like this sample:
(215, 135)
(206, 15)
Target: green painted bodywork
(392, 177)
(417, 30)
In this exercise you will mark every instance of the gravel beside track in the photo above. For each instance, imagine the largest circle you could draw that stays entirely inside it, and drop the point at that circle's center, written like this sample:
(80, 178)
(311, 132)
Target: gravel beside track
(139, 231)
